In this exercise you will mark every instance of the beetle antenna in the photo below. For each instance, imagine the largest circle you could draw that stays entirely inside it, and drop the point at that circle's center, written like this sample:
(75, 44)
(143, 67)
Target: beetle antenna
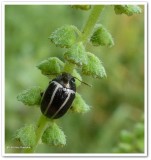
(83, 82)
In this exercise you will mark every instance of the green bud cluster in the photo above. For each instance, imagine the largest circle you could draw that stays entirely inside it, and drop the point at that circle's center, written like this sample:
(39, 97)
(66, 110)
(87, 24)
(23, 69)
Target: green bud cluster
(51, 66)
(77, 54)
(79, 105)
(94, 67)
(30, 97)
(64, 36)
(54, 136)
(101, 37)
(129, 10)
(26, 135)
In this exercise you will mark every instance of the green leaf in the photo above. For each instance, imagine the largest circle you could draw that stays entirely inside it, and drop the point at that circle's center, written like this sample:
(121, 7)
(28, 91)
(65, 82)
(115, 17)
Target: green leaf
(76, 54)
(94, 67)
(65, 36)
(82, 7)
(127, 9)
(27, 135)
(51, 66)
(30, 96)
(79, 105)
(53, 135)
(101, 37)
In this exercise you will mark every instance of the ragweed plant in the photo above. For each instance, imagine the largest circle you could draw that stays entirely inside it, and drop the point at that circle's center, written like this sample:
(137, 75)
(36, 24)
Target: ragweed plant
(76, 57)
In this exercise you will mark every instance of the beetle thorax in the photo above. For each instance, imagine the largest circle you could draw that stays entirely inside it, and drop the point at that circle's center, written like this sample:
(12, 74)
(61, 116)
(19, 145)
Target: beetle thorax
(66, 85)
(65, 79)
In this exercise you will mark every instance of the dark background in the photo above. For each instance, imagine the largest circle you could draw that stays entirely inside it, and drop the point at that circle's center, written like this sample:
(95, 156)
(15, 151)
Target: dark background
(117, 101)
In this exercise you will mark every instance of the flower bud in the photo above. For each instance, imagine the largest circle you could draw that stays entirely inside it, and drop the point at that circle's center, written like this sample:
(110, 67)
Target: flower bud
(53, 135)
(94, 67)
(76, 54)
(30, 96)
(51, 66)
(27, 135)
(64, 36)
(127, 9)
(101, 37)
(79, 105)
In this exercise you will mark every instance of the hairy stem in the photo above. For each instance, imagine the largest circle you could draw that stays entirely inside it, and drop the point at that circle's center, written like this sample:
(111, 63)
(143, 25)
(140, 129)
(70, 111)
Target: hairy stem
(41, 125)
(93, 17)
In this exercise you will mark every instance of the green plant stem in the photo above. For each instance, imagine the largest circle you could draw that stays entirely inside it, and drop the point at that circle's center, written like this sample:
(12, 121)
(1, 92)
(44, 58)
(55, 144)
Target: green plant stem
(41, 125)
(93, 17)
(69, 67)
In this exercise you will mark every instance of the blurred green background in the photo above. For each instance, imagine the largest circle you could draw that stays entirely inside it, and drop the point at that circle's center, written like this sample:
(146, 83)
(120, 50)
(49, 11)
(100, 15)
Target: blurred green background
(117, 101)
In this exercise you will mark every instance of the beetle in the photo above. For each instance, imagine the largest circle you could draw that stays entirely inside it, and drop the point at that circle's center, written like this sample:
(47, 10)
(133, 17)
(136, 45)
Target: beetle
(58, 97)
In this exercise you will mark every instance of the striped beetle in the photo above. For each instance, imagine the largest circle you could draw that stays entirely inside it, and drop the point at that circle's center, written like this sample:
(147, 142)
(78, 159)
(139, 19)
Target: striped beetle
(58, 97)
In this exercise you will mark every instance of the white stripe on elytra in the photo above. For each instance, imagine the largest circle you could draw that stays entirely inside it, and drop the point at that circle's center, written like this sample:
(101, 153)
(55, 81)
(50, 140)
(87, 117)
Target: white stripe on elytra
(52, 97)
(70, 91)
